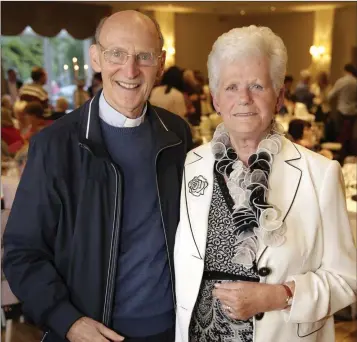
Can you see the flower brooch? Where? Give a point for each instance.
(197, 185)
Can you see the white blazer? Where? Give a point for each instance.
(318, 254)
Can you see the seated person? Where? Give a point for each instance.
(80, 96)
(300, 132)
(60, 109)
(11, 178)
(9, 133)
(288, 105)
(34, 113)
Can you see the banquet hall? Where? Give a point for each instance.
(45, 59)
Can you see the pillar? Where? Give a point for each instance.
(47, 59)
(166, 21)
(321, 50)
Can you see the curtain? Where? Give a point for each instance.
(48, 18)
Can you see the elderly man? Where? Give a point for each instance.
(89, 243)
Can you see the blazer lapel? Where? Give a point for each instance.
(284, 182)
(198, 179)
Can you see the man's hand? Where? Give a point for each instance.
(88, 330)
(242, 300)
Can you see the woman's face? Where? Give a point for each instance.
(246, 98)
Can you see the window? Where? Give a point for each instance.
(65, 59)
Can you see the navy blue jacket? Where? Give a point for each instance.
(62, 235)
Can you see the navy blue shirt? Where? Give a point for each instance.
(143, 303)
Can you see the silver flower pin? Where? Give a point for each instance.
(197, 185)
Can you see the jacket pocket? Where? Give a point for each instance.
(307, 329)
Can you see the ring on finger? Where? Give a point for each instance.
(228, 308)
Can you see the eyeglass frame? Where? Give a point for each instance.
(104, 50)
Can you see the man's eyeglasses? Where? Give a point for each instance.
(117, 56)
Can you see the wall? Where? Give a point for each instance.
(196, 33)
(344, 38)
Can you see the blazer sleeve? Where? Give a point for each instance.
(29, 244)
(333, 285)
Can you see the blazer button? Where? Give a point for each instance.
(264, 271)
(259, 316)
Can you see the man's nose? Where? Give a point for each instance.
(131, 67)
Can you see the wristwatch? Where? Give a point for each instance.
(289, 295)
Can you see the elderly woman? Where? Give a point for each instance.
(264, 250)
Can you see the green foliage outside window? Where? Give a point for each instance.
(26, 51)
(21, 53)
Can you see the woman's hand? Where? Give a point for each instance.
(242, 300)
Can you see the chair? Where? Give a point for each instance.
(8, 299)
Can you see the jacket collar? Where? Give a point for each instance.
(91, 133)
(284, 182)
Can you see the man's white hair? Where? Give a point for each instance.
(247, 42)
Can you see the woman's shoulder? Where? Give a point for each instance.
(315, 162)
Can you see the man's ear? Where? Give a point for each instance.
(94, 58)
(161, 68)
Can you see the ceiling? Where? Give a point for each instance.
(229, 7)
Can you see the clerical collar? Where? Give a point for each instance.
(114, 118)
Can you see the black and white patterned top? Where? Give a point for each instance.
(209, 321)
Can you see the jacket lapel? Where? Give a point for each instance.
(284, 182)
(198, 180)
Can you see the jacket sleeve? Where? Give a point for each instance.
(29, 244)
(332, 94)
(333, 285)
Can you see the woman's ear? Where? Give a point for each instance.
(216, 105)
(280, 100)
(94, 58)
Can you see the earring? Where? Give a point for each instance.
(219, 113)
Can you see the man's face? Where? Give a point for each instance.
(127, 86)
(44, 78)
(11, 76)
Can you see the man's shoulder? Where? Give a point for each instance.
(60, 130)
(172, 121)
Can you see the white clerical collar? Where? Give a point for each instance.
(112, 117)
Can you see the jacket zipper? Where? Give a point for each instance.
(113, 256)
(44, 336)
(114, 242)
(162, 220)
